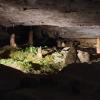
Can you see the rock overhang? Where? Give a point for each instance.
(79, 20)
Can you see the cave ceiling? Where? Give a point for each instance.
(80, 16)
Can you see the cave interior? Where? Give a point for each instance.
(50, 31)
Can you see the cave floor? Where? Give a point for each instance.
(46, 94)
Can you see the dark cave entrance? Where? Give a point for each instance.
(35, 35)
(39, 35)
(44, 36)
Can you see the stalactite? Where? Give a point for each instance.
(12, 41)
(39, 53)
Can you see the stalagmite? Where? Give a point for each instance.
(12, 41)
(30, 41)
(63, 44)
(98, 45)
(59, 43)
(39, 53)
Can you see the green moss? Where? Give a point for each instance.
(31, 49)
(27, 61)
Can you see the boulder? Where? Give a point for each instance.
(83, 56)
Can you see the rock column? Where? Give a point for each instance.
(98, 45)
(30, 41)
(12, 41)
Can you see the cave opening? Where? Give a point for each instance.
(39, 35)
(44, 36)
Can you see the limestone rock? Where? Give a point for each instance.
(39, 54)
(83, 56)
(71, 56)
(65, 50)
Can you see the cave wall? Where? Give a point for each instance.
(68, 18)
(88, 42)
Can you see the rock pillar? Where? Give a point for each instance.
(12, 41)
(98, 45)
(30, 40)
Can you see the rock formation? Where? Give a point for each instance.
(83, 56)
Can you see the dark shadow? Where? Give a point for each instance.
(95, 57)
(81, 77)
(40, 35)
(10, 79)
(88, 71)
(74, 79)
